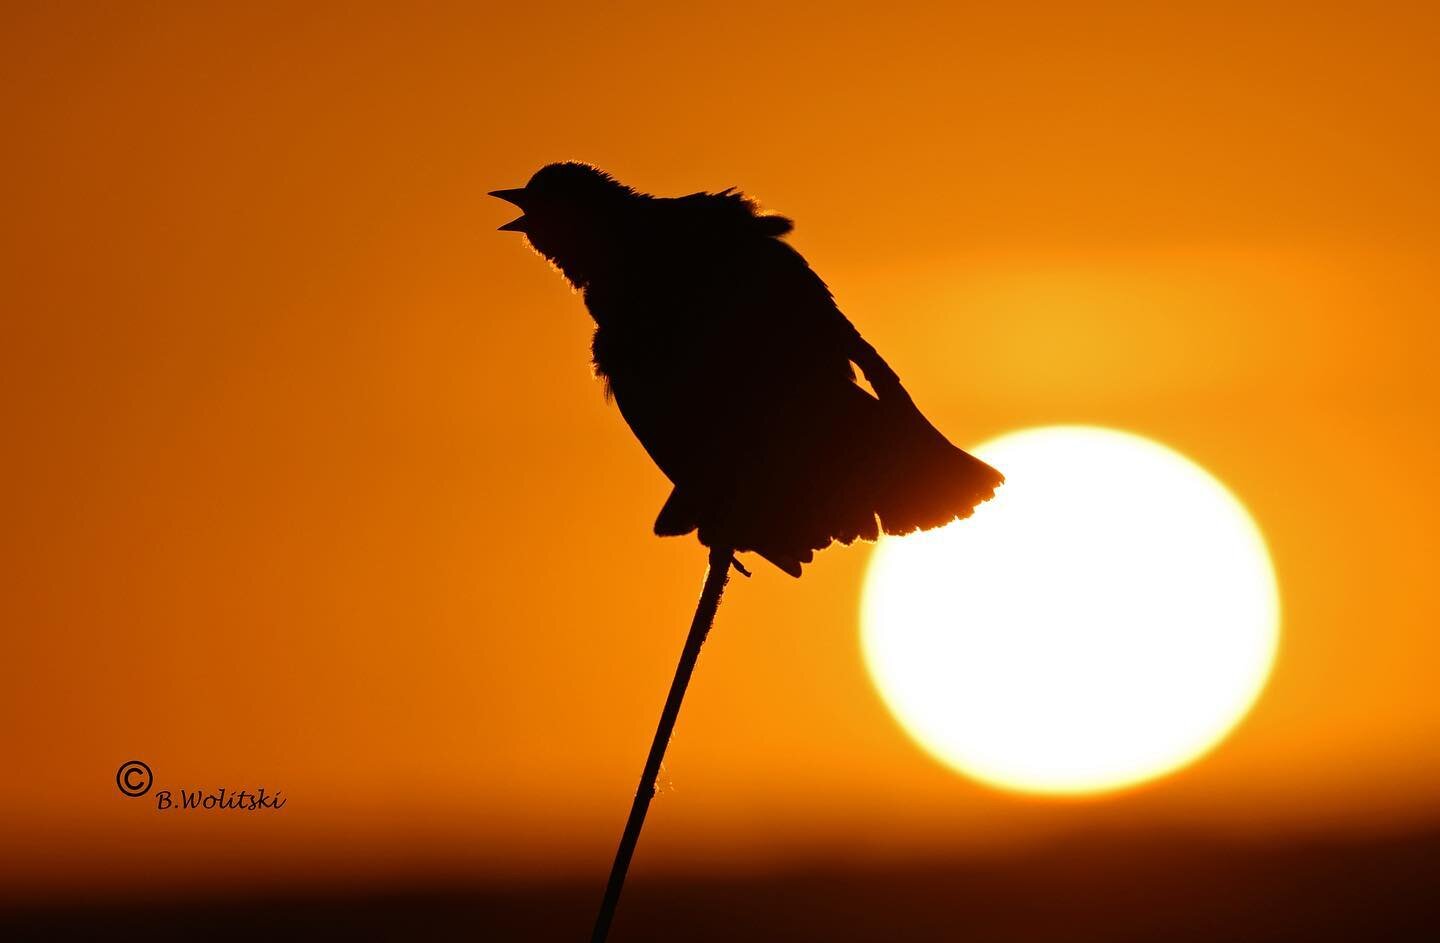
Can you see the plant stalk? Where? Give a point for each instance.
(716, 577)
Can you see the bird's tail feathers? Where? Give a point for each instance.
(929, 482)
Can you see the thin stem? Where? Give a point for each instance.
(715, 579)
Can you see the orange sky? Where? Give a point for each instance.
(275, 514)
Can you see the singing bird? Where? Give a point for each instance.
(732, 364)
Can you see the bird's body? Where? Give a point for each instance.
(730, 361)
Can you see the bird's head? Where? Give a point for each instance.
(572, 211)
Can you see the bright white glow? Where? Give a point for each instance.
(1108, 617)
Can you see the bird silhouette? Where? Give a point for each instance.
(729, 359)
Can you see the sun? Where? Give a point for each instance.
(1109, 617)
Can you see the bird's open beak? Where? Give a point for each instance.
(516, 196)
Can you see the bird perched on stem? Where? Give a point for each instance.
(731, 363)
(729, 359)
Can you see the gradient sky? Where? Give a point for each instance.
(307, 483)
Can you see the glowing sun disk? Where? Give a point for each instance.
(1109, 617)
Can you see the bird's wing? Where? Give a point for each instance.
(801, 317)
(833, 458)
